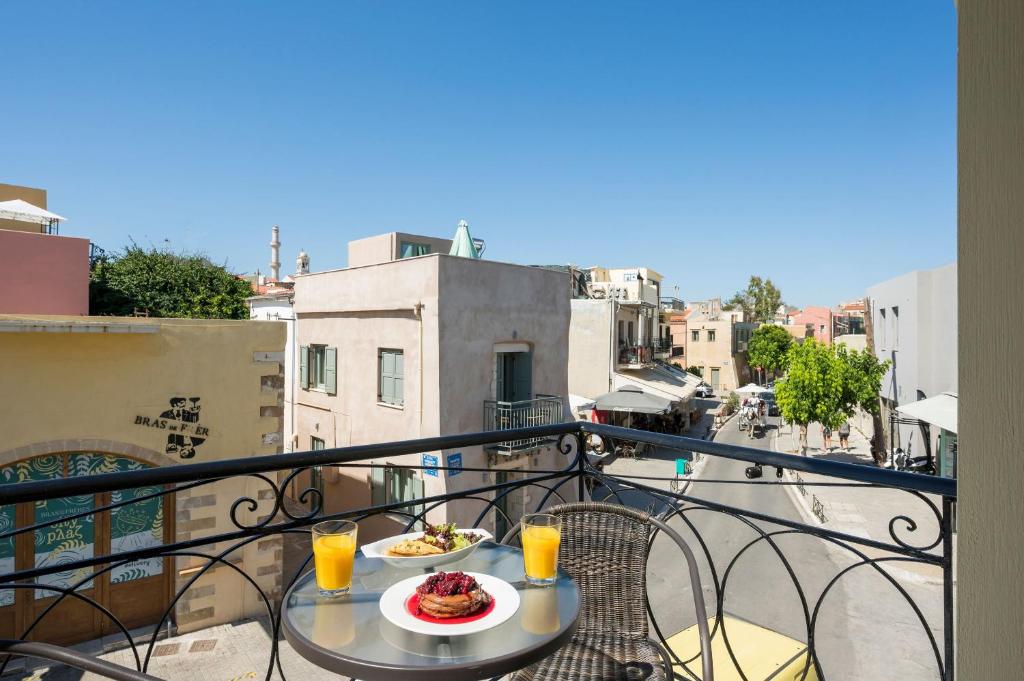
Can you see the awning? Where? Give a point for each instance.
(579, 403)
(661, 382)
(632, 400)
(23, 211)
(939, 411)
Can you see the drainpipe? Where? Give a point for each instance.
(418, 310)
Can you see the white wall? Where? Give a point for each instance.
(280, 309)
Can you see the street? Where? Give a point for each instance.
(865, 629)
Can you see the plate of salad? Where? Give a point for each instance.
(438, 545)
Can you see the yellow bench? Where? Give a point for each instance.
(763, 654)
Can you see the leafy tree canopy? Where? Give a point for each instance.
(826, 384)
(166, 285)
(769, 347)
(759, 301)
(696, 370)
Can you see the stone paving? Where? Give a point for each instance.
(860, 511)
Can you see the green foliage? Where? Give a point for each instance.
(769, 347)
(826, 384)
(732, 403)
(166, 285)
(759, 301)
(864, 379)
(695, 370)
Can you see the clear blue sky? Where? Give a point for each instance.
(812, 142)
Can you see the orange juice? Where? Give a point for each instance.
(333, 555)
(540, 551)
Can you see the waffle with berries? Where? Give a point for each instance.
(451, 594)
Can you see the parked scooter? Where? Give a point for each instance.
(903, 461)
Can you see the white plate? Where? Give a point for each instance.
(379, 549)
(392, 606)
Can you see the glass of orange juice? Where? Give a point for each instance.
(334, 552)
(541, 535)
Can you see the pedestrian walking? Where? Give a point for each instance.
(844, 436)
(826, 436)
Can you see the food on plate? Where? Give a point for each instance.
(437, 539)
(451, 594)
(413, 547)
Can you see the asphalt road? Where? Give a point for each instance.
(864, 629)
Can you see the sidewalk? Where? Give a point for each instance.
(859, 511)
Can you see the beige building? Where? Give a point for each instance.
(614, 335)
(425, 346)
(32, 195)
(106, 394)
(716, 342)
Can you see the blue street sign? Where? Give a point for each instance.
(454, 464)
(430, 464)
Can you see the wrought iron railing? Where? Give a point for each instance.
(278, 503)
(662, 345)
(636, 354)
(544, 410)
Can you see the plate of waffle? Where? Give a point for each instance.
(449, 603)
(438, 545)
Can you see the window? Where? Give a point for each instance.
(411, 249)
(318, 368)
(695, 335)
(392, 485)
(711, 335)
(895, 328)
(881, 328)
(391, 372)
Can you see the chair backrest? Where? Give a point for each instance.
(604, 548)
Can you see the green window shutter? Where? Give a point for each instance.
(304, 367)
(331, 371)
(392, 368)
(399, 377)
(522, 376)
(377, 486)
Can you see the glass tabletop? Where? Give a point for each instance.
(349, 635)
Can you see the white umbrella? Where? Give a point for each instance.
(23, 211)
(751, 389)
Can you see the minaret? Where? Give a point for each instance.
(275, 254)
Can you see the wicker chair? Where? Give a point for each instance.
(604, 547)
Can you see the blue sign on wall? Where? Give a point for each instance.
(454, 464)
(430, 464)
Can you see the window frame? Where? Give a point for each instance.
(694, 335)
(318, 367)
(419, 248)
(711, 335)
(400, 403)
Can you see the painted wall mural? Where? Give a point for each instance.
(134, 526)
(181, 421)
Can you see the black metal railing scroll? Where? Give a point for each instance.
(289, 502)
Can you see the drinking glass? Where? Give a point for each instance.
(541, 536)
(334, 552)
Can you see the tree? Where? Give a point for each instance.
(759, 301)
(695, 370)
(768, 348)
(166, 284)
(827, 384)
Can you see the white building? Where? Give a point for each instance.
(613, 336)
(914, 325)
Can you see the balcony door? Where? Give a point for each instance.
(515, 377)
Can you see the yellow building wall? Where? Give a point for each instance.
(96, 387)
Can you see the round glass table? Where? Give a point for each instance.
(348, 634)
